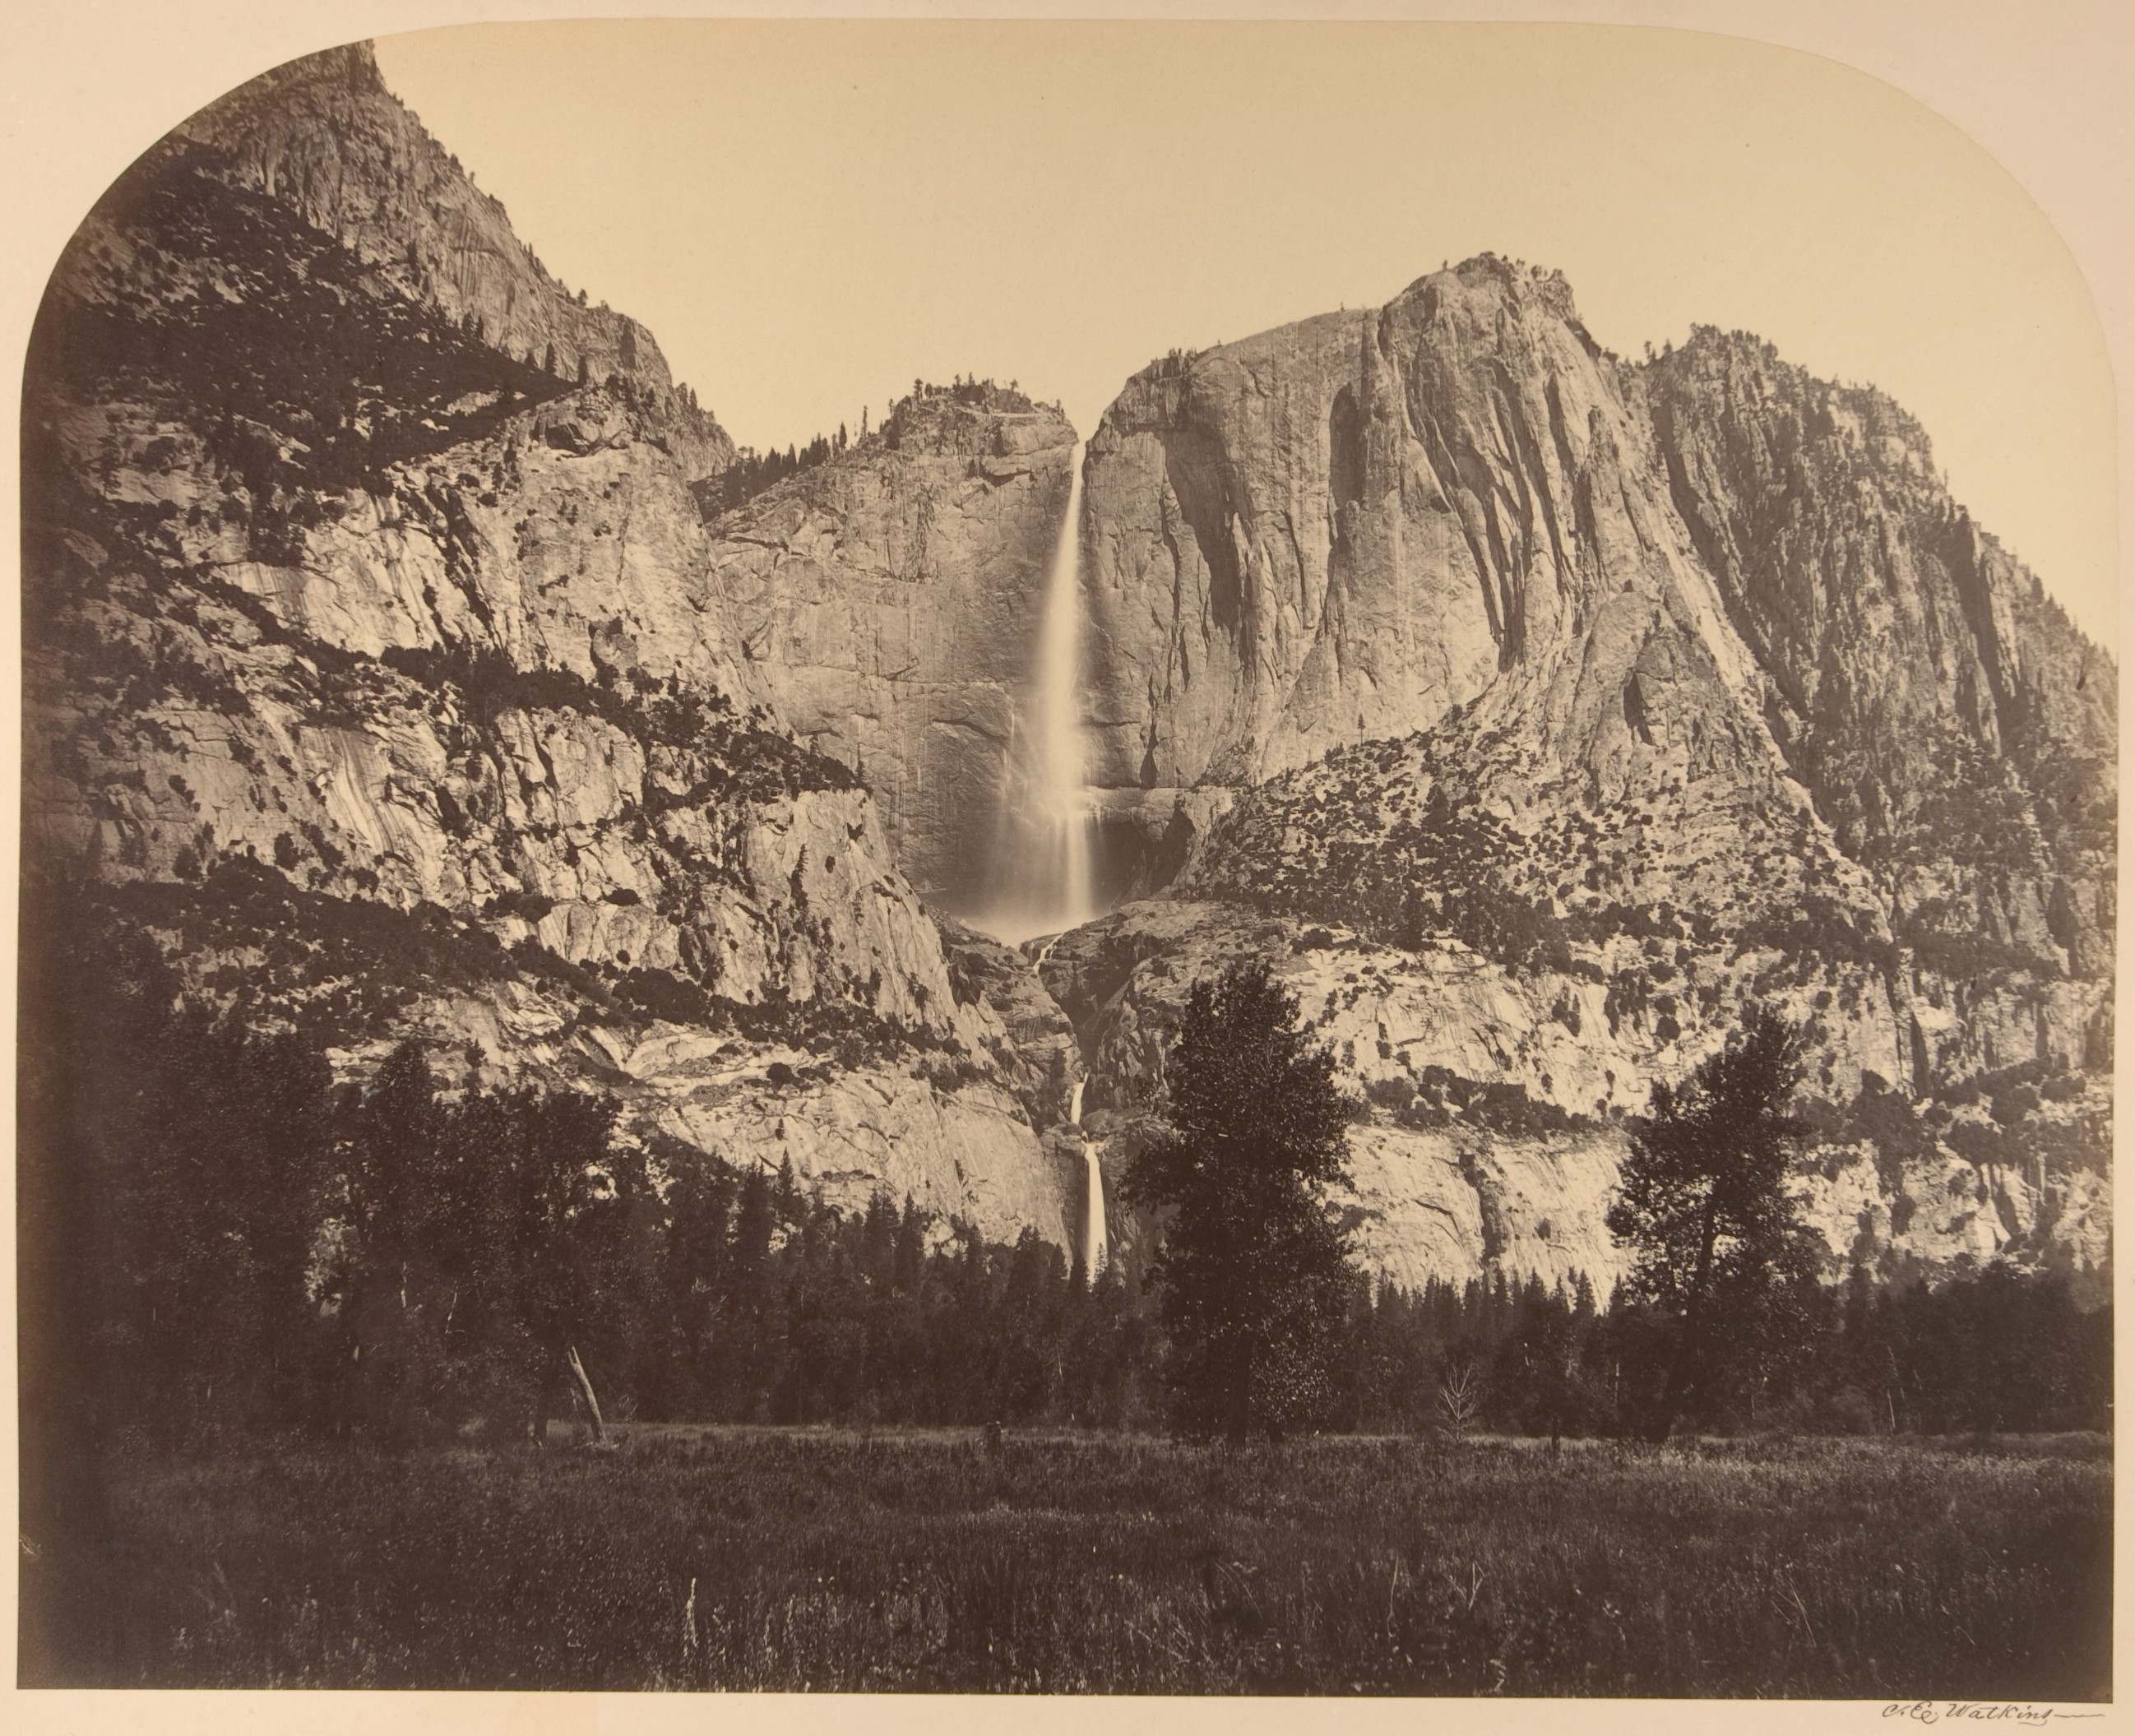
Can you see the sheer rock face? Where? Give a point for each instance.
(1346, 528)
(889, 600)
(1650, 691)
(325, 583)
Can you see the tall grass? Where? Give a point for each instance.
(690, 1558)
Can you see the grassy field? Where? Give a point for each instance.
(683, 1558)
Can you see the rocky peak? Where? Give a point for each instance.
(1489, 287)
(1348, 528)
(324, 137)
(1954, 726)
(1743, 369)
(972, 419)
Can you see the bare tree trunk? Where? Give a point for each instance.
(1688, 1348)
(585, 1390)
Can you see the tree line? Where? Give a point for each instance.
(1722, 1318)
(752, 472)
(217, 1237)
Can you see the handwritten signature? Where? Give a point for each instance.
(1981, 1711)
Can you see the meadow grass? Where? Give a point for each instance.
(685, 1557)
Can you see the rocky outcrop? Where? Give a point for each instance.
(1366, 524)
(1038, 1052)
(960, 1148)
(1905, 647)
(888, 603)
(1957, 732)
(1492, 1106)
(1644, 693)
(368, 641)
(855, 1105)
(1713, 593)
(322, 138)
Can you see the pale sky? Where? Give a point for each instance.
(810, 215)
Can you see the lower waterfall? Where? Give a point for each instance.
(1096, 1245)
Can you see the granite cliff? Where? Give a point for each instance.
(397, 661)
(1587, 702)
(368, 629)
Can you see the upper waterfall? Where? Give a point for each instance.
(1041, 875)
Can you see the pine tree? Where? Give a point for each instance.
(1253, 1268)
(1704, 1206)
(749, 1263)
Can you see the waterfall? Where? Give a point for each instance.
(1097, 1247)
(1041, 871)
